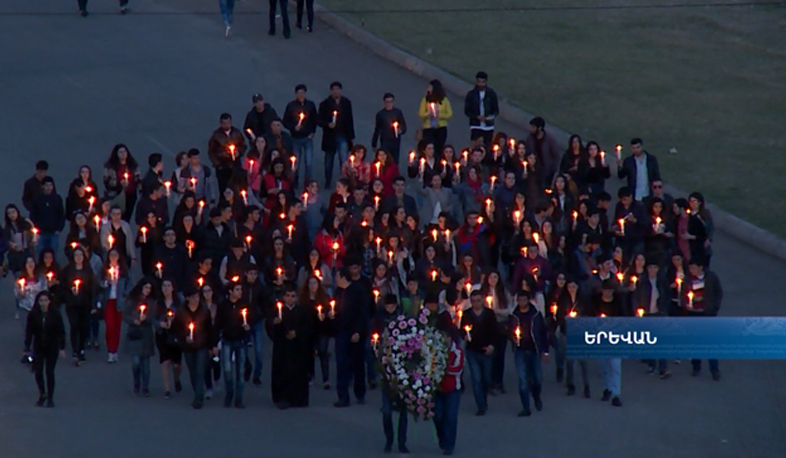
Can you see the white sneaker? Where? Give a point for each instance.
(110, 358)
(116, 357)
(209, 394)
(228, 32)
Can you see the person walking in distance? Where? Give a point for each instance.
(45, 336)
(272, 17)
(338, 128)
(309, 4)
(481, 107)
(225, 147)
(300, 119)
(389, 127)
(228, 15)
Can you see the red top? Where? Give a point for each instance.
(452, 379)
(386, 175)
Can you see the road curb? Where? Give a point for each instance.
(726, 222)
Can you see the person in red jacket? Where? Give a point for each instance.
(448, 397)
(330, 243)
(387, 171)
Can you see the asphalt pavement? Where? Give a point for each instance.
(157, 79)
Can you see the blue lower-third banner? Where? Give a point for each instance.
(677, 338)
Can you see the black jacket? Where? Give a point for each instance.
(345, 123)
(472, 106)
(259, 123)
(44, 331)
(174, 263)
(48, 213)
(352, 311)
(292, 118)
(229, 320)
(628, 170)
(383, 126)
(484, 329)
(31, 190)
(204, 333)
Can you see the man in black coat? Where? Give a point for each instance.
(481, 107)
(350, 326)
(48, 215)
(338, 128)
(258, 118)
(702, 294)
(225, 147)
(389, 126)
(34, 183)
(641, 162)
(300, 119)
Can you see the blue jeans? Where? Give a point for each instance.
(696, 363)
(446, 409)
(498, 367)
(611, 370)
(342, 148)
(304, 150)
(560, 349)
(141, 370)
(349, 365)
(258, 337)
(387, 421)
(233, 370)
(530, 372)
(196, 361)
(480, 370)
(569, 372)
(227, 11)
(47, 241)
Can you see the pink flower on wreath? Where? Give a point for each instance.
(402, 325)
(412, 322)
(423, 319)
(421, 409)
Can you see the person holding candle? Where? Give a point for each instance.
(330, 242)
(651, 297)
(389, 127)
(217, 238)
(435, 111)
(436, 200)
(357, 170)
(314, 297)
(447, 398)
(632, 223)
(79, 200)
(300, 118)
(700, 229)
(531, 347)
(172, 257)
(702, 294)
(482, 108)
(234, 319)
(315, 267)
(350, 329)
(258, 118)
(501, 304)
(199, 179)
(544, 146)
(400, 198)
(121, 180)
(272, 5)
(234, 263)
(28, 284)
(44, 341)
(571, 304)
(154, 202)
(78, 294)
(194, 329)
(81, 228)
(338, 128)
(480, 326)
(48, 215)
(573, 157)
(290, 329)
(659, 236)
(19, 236)
(121, 233)
(139, 316)
(113, 286)
(640, 169)
(280, 140)
(225, 141)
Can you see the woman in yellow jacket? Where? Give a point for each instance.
(435, 111)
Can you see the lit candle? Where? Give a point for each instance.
(517, 217)
(170, 314)
(572, 313)
(335, 114)
(634, 279)
(376, 203)
(300, 118)
(603, 158)
(190, 246)
(495, 150)
(690, 299)
(333, 306)
(125, 177)
(575, 218)
(618, 149)
(244, 195)
(434, 233)
(411, 157)
(97, 220)
(459, 315)
(518, 336)
(91, 201)
(603, 315)
(244, 312)
(444, 164)
(376, 295)
(490, 301)
(432, 107)
(193, 182)
(290, 228)
(536, 237)
(280, 307)
(191, 330)
(390, 256)
(378, 165)
(22, 282)
(282, 215)
(77, 282)
(143, 230)
(422, 165)
(480, 220)
(318, 274)
(88, 189)
(293, 160)
(235, 279)
(679, 285)
(142, 309)
(201, 208)
(512, 143)
(250, 166)
(335, 250)
(168, 185)
(232, 151)
(447, 235)
(524, 165)
(457, 166)
(620, 276)
(465, 155)
(622, 226)
(250, 133)
(279, 272)
(110, 240)
(74, 245)
(159, 267)
(467, 329)
(49, 276)
(640, 312)
(433, 275)
(35, 234)
(305, 200)
(249, 239)
(493, 180)
(319, 312)
(468, 286)
(395, 128)
(554, 309)
(112, 274)
(379, 243)
(200, 282)
(374, 340)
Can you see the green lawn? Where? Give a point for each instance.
(710, 82)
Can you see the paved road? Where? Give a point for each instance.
(71, 88)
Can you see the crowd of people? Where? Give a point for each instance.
(503, 241)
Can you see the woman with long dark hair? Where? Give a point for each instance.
(314, 298)
(593, 171)
(82, 229)
(498, 299)
(28, 284)
(78, 294)
(139, 314)
(701, 229)
(18, 233)
(169, 353)
(121, 179)
(114, 280)
(44, 341)
(571, 160)
(435, 110)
